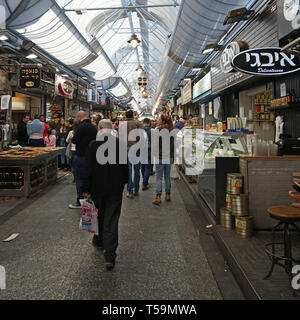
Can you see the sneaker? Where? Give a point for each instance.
(109, 265)
(130, 196)
(146, 187)
(74, 206)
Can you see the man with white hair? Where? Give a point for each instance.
(104, 182)
(84, 134)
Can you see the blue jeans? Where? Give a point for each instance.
(79, 167)
(63, 158)
(135, 184)
(146, 171)
(163, 170)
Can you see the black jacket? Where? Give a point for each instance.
(85, 133)
(22, 132)
(107, 179)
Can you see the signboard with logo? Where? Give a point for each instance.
(64, 87)
(92, 95)
(266, 62)
(202, 86)
(288, 17)
(30, 77)
(229, 53)
(186, 93)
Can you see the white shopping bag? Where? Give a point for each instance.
(89, 217)
(174, 172)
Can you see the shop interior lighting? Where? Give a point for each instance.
(31, 56)
(134, 40)
(4, 37)
(65, 75)
(140, 69)
(237, 15)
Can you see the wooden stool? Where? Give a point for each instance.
(286, 216)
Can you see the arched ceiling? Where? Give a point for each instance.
(92, 36)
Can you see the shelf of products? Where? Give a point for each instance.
(261, 107)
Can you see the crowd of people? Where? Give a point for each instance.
(104, 183)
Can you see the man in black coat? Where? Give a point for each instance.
(104, 182)
(85, 133)
(22, 131)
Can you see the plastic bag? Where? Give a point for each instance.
(174, 172)
(89, 217)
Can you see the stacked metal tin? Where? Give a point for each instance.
(236, 213)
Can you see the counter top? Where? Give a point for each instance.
(248, 156)
(29, 153)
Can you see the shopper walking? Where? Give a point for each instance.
(133, 185)
(105, 184)
(84, 134)
(71, 146)
(50, 139)
(22, 131)
(61, 136)
(35, 131)
(146, 168)
(164, 160)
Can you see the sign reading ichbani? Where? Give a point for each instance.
(266, 62)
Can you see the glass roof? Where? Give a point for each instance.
(93, 36)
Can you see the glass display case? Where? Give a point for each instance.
(199, 152)
(200, 148)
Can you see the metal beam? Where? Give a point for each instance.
(125, 7)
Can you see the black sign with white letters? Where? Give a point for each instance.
(266, 62)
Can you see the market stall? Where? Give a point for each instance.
(24, 171)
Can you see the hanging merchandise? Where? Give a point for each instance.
(279, 128)
(5, 102)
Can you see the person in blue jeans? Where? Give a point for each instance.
(146, 168)
(133, 185)
(164, 161)
(84, 134)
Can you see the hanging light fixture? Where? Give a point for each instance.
(140, 69)
(134, 40)
(145, 94)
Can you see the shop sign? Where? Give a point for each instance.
(30, 77)
(290, 9)
(229, 53)
(186, 93)
(82, 93)
(202, 86)
(179, 101)
(92, 95)
(64, 87)
(288, 17)
(266, 62)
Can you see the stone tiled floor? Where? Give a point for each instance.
(157, 254)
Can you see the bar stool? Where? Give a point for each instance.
(286, 216)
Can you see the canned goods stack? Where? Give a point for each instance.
(227, 219)
(244, 226)
(237, 206)
(234, 183)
